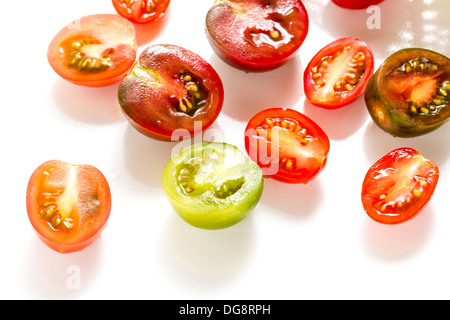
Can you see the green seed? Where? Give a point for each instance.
(56, 221)
(48, 213)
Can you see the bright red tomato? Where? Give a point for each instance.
(68, 205)
(257, 35)
(170, 90)
(356, 4)
(141, 11)
(338, 74)
(94, 51)
(287, 145)
(398, 186)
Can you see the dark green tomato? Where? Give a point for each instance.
(409, 95)
(212, 185)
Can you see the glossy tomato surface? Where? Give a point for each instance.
(409, 95)
(338, 74)
(256, 35)
(398, 186)
(68, 205)
(287, 145)
(94, 51)
(356, 4)
(171, 92)
(212, 185)
(141, 11)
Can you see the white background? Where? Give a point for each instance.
(309, 241)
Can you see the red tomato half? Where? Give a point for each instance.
(257, 35)
(68, 205)
(398, 186)
(141, 11)
(171, 91)
(94, 51)
(356, 4)
(338, 74)
(287, 145)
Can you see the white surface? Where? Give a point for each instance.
(301, 242)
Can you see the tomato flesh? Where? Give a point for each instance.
(68, 205)
(94, 51)
(171, 93)
(212, 185)
(356, 4)
(398, 186)
(338, 74)
(141, 11)
(409, 95)
(287, 145)
(256, 35)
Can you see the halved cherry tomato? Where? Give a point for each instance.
(141, 11)
(356, 4)
(409, 95)
(256, 35)
(212, 185)
(68, 205)
(171, 91)
(398, 186)
(94, 51)
(287, 145)
(337, 75)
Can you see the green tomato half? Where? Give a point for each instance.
(212, 185)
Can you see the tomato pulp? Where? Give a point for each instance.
(338, 74)
(256, 35)
(168, 91)
(68, 205)
(287, 145)
(141, 11)
(94, 51)
(398, 186)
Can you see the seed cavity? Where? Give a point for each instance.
(442, 94)
(83, 62)
(433, 106)
(385, 205)
(229, 187)
(51, 214)
(195, 96)
(351, 77)
(199, 174)
(148, 6)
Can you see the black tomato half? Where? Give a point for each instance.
(171, 93)
(256, 35)
(409, 95)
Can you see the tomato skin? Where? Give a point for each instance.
(89, 212)
(398, 186)
(113, 34)
(356, 4)
(150, 95)
(388, 93)
(338, 99)
(304, 169)
(239, 32)
(137, 13)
